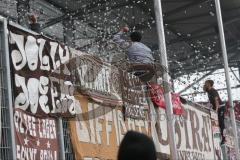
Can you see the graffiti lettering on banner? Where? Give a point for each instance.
(36, 138)
(98, 131)
(135, 112)
(132, 89)
(41, 79)
(194, 138)
(47, 75)
(97, 80)
(109, 85)
(134, 97)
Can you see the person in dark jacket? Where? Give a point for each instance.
(217, 105)
(34, 25)
(136, 146)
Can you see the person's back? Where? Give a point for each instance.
(137, 52)
(140, 53)
(136, 146)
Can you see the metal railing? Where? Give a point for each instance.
(6, 150)
(7, 140)
(69, 154)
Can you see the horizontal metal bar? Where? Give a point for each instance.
(83, 12)
(182, 8)
(198, 80)
(177, 1)
(180, 39)
(220, 89)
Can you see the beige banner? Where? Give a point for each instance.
(193, 132)
(98, 130)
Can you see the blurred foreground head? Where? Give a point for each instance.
(136, 146)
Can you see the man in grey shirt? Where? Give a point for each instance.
(137, 52)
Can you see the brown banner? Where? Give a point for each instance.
(41, 80)
(97, 80)
(36, 138)
(105, 83)
(47, 74)
(98, 130)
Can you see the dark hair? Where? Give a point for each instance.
(136, 36)
(33, 18)
(136, 146)
(211, 82)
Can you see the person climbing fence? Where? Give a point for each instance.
(217, 105)
(139, 55)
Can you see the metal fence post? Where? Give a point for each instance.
(226, 68)
(166, 78)
(61, 139)
(9, 87)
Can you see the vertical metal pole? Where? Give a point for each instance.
(173, 85)
(61, 139)
(239, 70)
(226, 68)
(69, 37)
(166, 78)
(9, 89)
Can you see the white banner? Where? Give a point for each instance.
(193, 134)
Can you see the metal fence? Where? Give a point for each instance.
(7, 152)
(238, 128)
(69, 154)
(5, 127)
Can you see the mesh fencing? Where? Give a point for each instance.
(5, 129)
